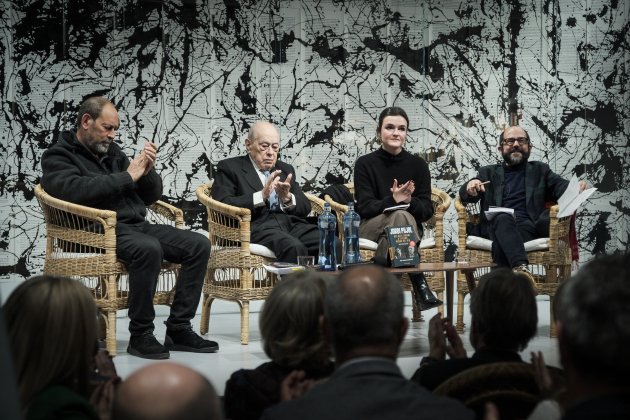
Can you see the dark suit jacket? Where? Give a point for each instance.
(368, 389)
(432, 375)
(541, 186)
(236, 180)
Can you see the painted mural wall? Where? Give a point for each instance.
(194, 75)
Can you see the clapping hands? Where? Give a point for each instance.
(402, 193)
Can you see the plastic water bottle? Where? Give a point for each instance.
(327, 224)
(351, 222)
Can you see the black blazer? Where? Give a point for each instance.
(541, 185)
(236, 180)
(368, 389)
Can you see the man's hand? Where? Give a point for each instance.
(270, 185)
(402, 193)
(583, 185)
(475, 187)
(283, 189)
(150, 154)
(142, 164)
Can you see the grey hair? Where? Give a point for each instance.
(592, 308)
(92, 106)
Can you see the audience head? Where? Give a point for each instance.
(289, 321)
(393, 124)
(97, 122)
(503, 311)
(166, 391)
(594, 321)
(263, 144)
(52, 327)
(517, 152)
(363, 312)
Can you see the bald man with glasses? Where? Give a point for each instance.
(521, 185)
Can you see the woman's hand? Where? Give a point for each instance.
(402, 193)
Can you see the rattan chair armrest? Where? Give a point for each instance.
(228, 210)
(104, 217)
(170, 212)
(317, 204)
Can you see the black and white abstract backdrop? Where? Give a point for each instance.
(193, 76)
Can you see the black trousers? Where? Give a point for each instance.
(142, 247)
(287, 236)
(509, 235)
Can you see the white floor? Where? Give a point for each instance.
(225, 329)
(225, 325)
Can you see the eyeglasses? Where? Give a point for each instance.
(510, 141)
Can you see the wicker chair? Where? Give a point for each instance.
(81, 244)
(510, 385)
(431, 246)
(235, 267)
(549, 258)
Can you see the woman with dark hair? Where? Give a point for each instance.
(391, 176)
(289, 326)
(52, 327)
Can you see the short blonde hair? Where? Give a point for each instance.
(289, 321)
(52, 327)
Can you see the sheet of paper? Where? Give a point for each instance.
(572, 198)
(493, 211)
(398, 207)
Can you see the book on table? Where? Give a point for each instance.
(403, 246)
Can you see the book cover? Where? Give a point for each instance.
(403, 246)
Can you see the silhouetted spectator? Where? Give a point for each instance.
(289, 325)
(503, 320)
(166, 391)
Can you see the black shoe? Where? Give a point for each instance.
(146, 346)
(187, 340)
(425, 299)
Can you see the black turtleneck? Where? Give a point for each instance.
(374, 175)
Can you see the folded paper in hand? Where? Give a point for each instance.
(398, 207)
(493, 211)
(572, 198)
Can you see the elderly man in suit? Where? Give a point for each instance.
(260, 182)
(521, 185)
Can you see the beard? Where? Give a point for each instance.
(98, 147)
(515, 157)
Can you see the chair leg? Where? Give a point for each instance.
(440, 295)
(110, 335)
(244, 322)
(459, 326)
(416, 315)
(552, 319)
(205, 314)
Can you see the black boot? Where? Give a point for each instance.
(425, 299)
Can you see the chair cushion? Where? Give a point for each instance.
(476, 242)
(261, 250)
(427, 243)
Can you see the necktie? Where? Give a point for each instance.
(274, 203)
